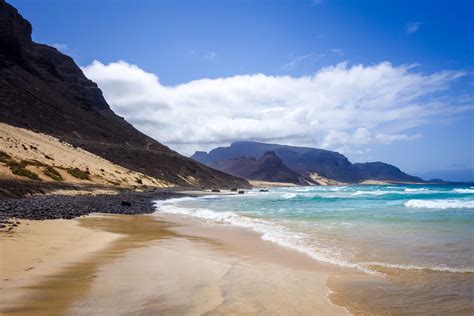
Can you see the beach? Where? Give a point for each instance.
(148, 264)
(363, 250)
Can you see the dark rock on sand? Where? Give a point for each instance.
(41, 207)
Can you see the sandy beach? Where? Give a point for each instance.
(121, 264)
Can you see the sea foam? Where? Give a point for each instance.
(415, 190)
(272, 232)
(440, 204)
(464, 191)
(285, 236)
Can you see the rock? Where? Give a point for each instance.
(241, 192)
(268, 168)
(240, 159)
(2, 226)
(39, 207)
(215, 190)
(263, 190)
(233, 190)
(34, 75)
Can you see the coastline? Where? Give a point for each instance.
(132, 259)
(152, 263)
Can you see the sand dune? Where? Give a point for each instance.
(39, 153)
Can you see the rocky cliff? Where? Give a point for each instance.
(306, 161)
(268, 168)
(43, 90)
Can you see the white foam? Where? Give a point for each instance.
(299, 241)
(440, 268)
(464, 191)
(376, 192)
(382, 192)
(440, 204)
(287, 195)
(272, 232)
(416, 190)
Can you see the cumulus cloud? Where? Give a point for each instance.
(340, 107)
(412, 27)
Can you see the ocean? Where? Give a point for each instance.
(413, 245)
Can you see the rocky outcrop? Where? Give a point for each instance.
(43, 90)
(309, 161)
(268, 168)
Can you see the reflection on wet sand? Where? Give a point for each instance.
(162, 266)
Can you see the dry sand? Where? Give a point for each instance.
(23, 144)
(166, 266)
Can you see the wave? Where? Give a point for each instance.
(440, 204)
(272, 232)
(377, 192)
(464, 191)
(440, 268)
(288, 195)
(299, 241)
(416, 190)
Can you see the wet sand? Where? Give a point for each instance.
(149, 265)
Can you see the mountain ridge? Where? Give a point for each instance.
(306, 161)
(43, 90)
(269, 167)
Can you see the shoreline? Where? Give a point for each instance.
(168, 264)
(172, 255)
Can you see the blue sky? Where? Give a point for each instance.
(169, 44)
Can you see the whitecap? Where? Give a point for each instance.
(377, 192)
(440, 204)
(287, 195)
(464, 191)
(416, 190)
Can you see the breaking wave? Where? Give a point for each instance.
(299, 241)
(440, 204)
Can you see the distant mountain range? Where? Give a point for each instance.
(453, 175)
(43, 90)
(269, 167)
(297, 164)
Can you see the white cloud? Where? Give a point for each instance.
(60, 47)
(210, 55)
(337, 51)
(295, 62)
(340, 107)
(412, 27)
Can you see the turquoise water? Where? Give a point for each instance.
(413, 227)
